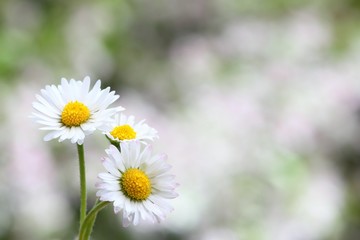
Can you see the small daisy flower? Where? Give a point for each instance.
(71, 110)
(137, 182)
(124, 128)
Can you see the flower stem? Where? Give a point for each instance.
(80, 149)
(87, 226)
(91, 222)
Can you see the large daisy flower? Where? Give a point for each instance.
(71, 110)
(124, 128)
(137, 182)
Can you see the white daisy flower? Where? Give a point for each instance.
(137, 182)
(124, 128)
(71, 110)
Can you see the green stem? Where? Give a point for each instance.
(91, 222)
(87, 225)
(88, 228)
(80, 149)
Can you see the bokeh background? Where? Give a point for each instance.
(257, 104)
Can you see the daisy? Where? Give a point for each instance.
(124, 128)
(71, 110)
(137, 182)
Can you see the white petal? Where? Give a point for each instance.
(150, 206)
(107, 176)
(85, 88)
(52, 135)
(110, 167)
(167, 194)
(49, 107)
(110, 196)
(146, 153)
(164, 205)
(45, 101)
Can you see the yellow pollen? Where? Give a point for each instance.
(123, 132)
(135, 184)
(74, 114)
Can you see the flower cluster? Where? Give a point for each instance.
(136, 181)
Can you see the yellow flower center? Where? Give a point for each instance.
(74, 114)
(123, 132)
(135, 184)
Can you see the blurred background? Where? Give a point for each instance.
(257, 104)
